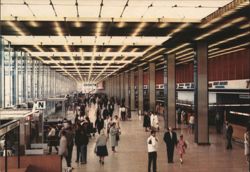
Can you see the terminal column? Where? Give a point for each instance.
(25, 73)
(117, 86)
(108, 87)
(140, 90)
(152, 86)
(132, 90)
(32, 79)
(111, 86)
(15, 79)
(171, 94)
(114, 86)
(122, 85)
(126, 89)
(201, 93)
(1, 73)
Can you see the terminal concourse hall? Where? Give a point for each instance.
(82, 78)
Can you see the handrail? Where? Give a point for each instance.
(8, 127)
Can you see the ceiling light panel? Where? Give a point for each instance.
(89, 8)
(191, 3)
(134, 11)
(15, 10)
(86, 54)
(86, 40)
(113, 8)
(66, 10)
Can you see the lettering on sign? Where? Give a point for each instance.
(40, 105)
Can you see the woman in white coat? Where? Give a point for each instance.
(113, 136)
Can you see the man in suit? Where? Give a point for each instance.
(170, 139)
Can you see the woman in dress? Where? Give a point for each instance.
(101, 146)
(181, 146)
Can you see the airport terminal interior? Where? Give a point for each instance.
(124, 85)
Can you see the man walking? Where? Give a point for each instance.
(170, 139)
(152, 143)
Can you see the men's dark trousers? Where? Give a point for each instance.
(152, 156)
(84, 153)
(69, 157)
(170, 152)
(229, 143)
(78, 151)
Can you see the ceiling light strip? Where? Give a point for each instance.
(17, 29)
(180, 46)
(72, 59)
(228, 52)
(229, 39)
(120, 50)
(228, 49)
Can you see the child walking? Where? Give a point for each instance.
(181, 146)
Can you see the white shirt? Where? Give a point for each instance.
(52, 132)
(152, 144)
(154, 121)
(191, 120)
(171, 134)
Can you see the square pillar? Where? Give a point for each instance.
(171, 94)
(122, 86)
(126, 90)
(25, 59)
(2, 73)
(119, 87)
(201, 93)
(132, 90)
(152, 86)
(140, 90)
(15, 79)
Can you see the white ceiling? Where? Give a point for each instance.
(89, 10)
(86, 40)
(137, 10)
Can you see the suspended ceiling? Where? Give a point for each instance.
(89, 40)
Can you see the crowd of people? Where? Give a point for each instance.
(107, 124)
(79, 131)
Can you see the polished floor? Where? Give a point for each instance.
(132, 153)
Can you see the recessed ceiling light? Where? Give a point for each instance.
(34, 24)
(163, 25)
(121, 24)
(78, 24)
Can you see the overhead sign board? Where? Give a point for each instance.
(40, 105)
